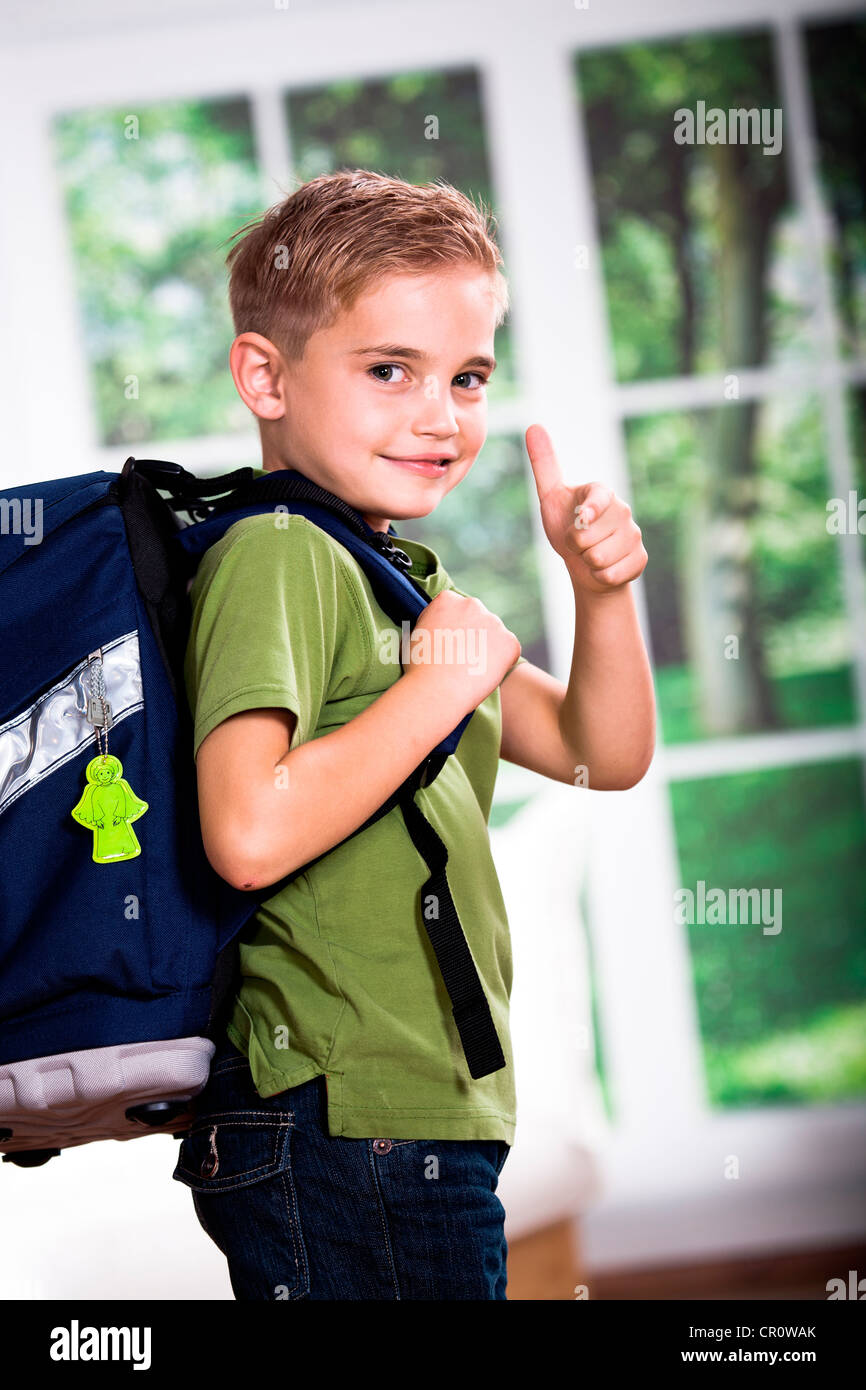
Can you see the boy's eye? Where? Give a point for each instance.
(461, 378)
(386, 367)
(463, 375)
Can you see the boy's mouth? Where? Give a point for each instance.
(428, 465)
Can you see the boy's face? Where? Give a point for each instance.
(399, 376)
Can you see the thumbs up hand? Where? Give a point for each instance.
(588, 525)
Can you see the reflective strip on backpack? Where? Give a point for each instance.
(41, 738)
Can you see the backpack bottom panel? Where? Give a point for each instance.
(75, 1098)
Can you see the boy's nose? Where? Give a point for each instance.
(436, 417)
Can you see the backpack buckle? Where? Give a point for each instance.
(382, 542)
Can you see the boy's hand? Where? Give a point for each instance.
(588, 525)
(462, 649)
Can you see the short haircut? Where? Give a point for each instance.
(309, 257)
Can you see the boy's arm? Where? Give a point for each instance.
(265, 811)
(603, 720)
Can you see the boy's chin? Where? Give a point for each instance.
(406, 511)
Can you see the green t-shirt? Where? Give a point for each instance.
(338, 975)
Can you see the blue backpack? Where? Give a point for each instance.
(118, 941)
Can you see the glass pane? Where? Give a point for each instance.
(416, 126)
(704, 261)
(856, 513)
(780, 977)
(743, 582)
(482, 534)
(150, 197)
(836, 55)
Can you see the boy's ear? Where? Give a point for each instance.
(257, 370)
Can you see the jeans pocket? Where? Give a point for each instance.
(238, 1165)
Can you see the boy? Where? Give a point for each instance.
(341, 1148)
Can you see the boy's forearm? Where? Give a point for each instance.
(607, 716)
(323, 790)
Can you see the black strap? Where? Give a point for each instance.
(180, 482)
(281, 483)
(469, 1004)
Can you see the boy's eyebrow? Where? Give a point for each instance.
(393, 350)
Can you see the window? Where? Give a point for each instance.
(712, 271)
(150, 196)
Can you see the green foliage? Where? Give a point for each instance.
(147, 217)
(639, 271)
(803, 701)
(798, 596)
(821, 1061)
(856, 412)
(751, 830)
(659, 203)
(836, 55)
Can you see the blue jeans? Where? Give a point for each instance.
(299, 1213)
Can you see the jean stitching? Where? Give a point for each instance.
(219, 1184)
(383, 1218)
(301, 1286)
(293, 1217)
(270, 1118)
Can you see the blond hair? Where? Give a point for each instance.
(310, 256)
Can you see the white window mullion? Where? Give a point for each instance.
(707, 391)
(42, 344)
(753, 752)
(272, 142)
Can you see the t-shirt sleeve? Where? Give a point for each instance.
(265, 624)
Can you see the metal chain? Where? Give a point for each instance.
(97, 690)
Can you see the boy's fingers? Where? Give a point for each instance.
(595, 500)
(545, 465)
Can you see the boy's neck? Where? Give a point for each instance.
(377, 523)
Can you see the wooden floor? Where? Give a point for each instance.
(544, 1265)
(547, 1266)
